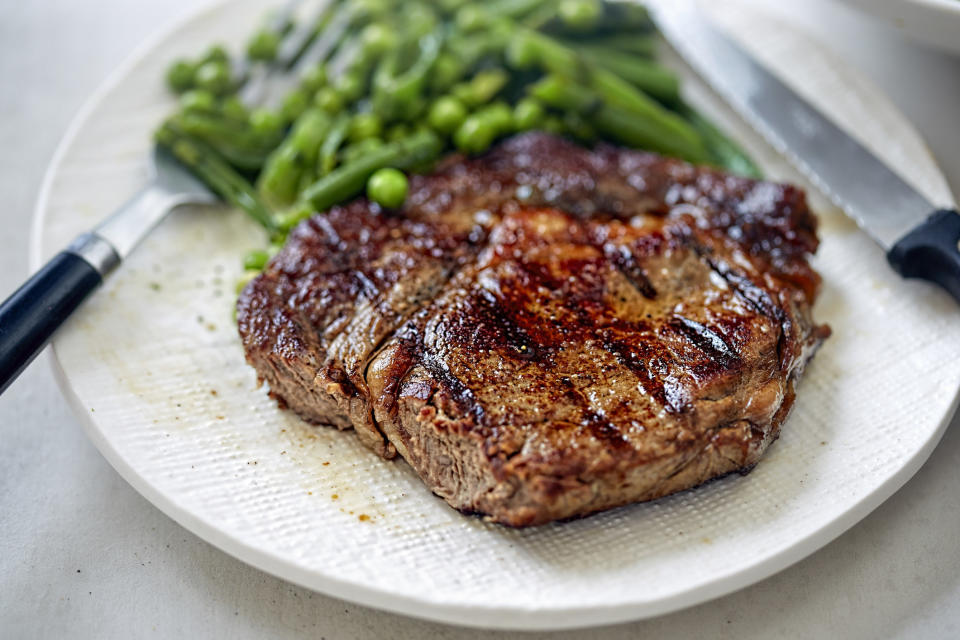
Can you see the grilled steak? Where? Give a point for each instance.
(547, 331)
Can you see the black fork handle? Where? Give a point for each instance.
(30, 316)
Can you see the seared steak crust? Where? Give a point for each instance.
(548, 331)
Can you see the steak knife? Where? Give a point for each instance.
(921, 240)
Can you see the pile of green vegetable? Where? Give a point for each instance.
(397, 84)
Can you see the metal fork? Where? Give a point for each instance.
(30, 316)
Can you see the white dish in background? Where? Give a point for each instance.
(934, 22)
(153, 366)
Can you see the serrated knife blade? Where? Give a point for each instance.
(891, 211)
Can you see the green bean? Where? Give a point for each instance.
(361, 148)
(216, 131)
(516, 9)
(450, 7)
(637, 127)
(349, 179)
(216, 173)
(331, 144)
(256, 259)
(642, 45)
(283, 175)
(279, 181)
(395, 93)
(461, 55)
(651, 78)
(540, 18)
(580, 15)
(529, 49)
(240, 146)
(625, 17)
(725, 152)
(482, 87)
(398, 131)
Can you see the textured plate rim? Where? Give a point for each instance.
(919, 13)
(478, 616)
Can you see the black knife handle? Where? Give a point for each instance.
(37, 309)
(931, 252)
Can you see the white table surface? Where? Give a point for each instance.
(83, 555)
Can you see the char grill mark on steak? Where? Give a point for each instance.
(547, 331)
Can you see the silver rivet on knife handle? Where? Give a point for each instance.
(98, 253)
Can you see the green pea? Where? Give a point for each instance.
(472, 18)
(214, 77)
(581, 15)
(266, 122)
(350, 86)
(314, 79)
(256, 259)
(295, 104)
(263, 46)
(328, 100)
(528, 114)
(447, 114)
(475, 135)
(181, 75)
(376, 39)
(233, 109)
(198, 101)
(370, 8)
(420, 20)
(365, 125)
(216, 53)
(388, 188)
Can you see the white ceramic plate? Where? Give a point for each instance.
(934, 22)
(153, 366)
